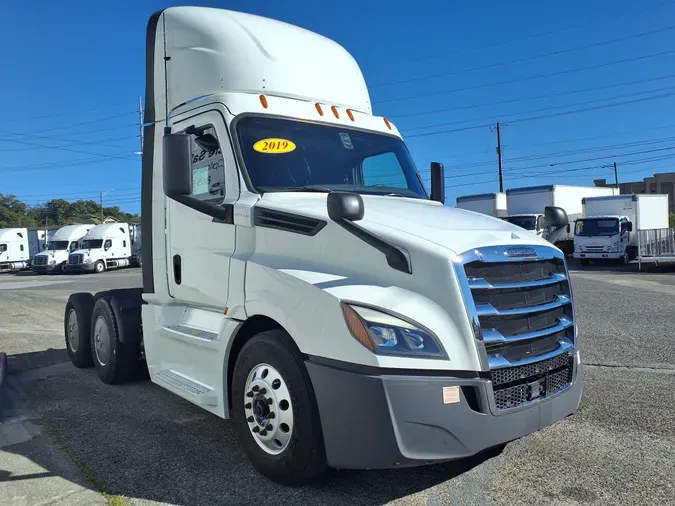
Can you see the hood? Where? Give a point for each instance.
(456, 229)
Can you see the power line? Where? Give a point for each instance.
(525, 59)
(66, 113)
(70, 143)
(543, 109)
(99, 120)
(532, 118)
(529, 78)
(537, 34)
(547, 96)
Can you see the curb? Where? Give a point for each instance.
(3, 377)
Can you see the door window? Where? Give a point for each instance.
(107, 245)
(207, 165)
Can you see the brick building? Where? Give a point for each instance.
(658, 183)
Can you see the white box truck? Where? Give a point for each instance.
(338, 320)
(55, 257)
(106, 246)
(526, 209)
(492, 204)
(14, 249)
(609, 227)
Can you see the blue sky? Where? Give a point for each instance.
(73, 72)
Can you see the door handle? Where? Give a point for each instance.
(176, 269)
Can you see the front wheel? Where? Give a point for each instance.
(275, 412)
(625, 258)
(99, 266)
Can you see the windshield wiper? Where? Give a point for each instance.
(308, 188)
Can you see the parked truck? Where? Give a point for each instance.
(106, 246)
(38, 239)
(338, 321)
(609, 227)
(492, 204)
(55, 257)
(14, 249)
(526, 209)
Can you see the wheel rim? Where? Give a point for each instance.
(99, 267)
(101, 341)
(73, 331)
(268, 409)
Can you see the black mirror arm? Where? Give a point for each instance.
(397, 258)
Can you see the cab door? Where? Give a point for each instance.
(200, 245)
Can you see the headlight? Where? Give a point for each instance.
(385, 334)
(88, 260)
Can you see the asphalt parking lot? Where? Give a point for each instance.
(74, 440)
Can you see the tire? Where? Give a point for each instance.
(625, 259)
(302, 456)
(77, 329)
(99, 266)
(115, 362)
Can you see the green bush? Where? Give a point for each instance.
(671, 220)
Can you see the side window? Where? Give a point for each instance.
(541, 222)
(3, 248)
(73, 246)
(383, 170)
(208, 165)
(107, 245)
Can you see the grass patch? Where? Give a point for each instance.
(55, 439)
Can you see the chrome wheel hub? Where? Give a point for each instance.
(268, 409)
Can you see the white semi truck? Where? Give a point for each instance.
(526, 209)
(492, 204)
(106, 246)
(609, 227)
(64, 241)
(38, 238)
(14, 249)
(338, 320)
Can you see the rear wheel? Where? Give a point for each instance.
(275, 412)
(115, 361)
(77, 325)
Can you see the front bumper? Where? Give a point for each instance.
(597, 256)
(44, 268)
(80, 267)
(380, 421)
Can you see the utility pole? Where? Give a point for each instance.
(616, 176)
(140, 122)
(101, 207)
(499, 158)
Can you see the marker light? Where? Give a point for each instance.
(263, 101)
(350, 114)
(319, 109)
(335, 112)
(386, 122)
(385, 334)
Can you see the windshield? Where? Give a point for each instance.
(287, 155)
(92, 244)
(58, 245)
(526, 222)
(598, 226)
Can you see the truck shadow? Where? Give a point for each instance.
(140, 441)
(618, 268)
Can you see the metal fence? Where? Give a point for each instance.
(656, 245)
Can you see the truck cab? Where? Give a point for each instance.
(604, 238)
(300, 279)
(106, 246)
(64, 241)
(14, 249)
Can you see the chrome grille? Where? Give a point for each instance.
(595, 249)
(40, 260)
(75, 259)
(522, 310)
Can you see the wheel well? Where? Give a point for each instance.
(251, 327)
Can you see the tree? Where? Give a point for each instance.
(55, 212)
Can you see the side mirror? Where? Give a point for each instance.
(344, 206)
(437, 182)
(556, 217)
(176, 165)
(629, 226)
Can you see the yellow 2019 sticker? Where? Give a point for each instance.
(274, 146)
